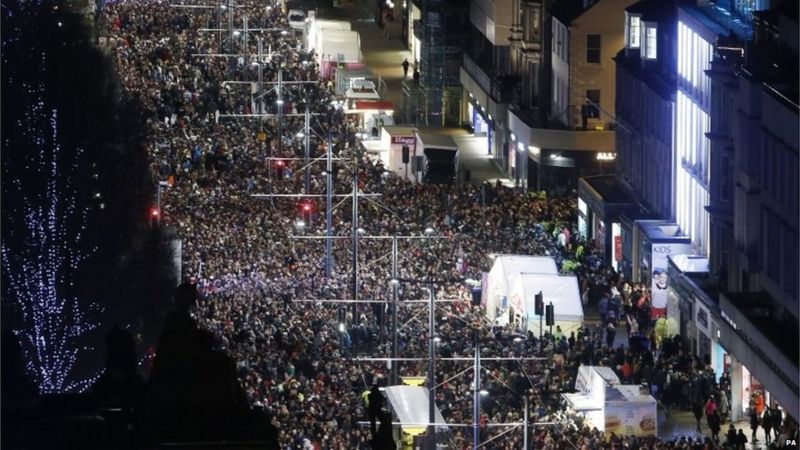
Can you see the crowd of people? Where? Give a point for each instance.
(298, 358)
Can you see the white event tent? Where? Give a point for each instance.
(501, 278)
(561, 291)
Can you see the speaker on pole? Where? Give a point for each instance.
(538, 304)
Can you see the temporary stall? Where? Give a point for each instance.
(356, 83)
(338, 51)
(316, 26)
(393, 138)
(440, 157)
(627, 410)
(561, 291)
(504, 272)
(327, 37)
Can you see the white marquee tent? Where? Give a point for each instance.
(561, 291)
(501, 279)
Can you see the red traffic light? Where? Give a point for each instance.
(306, 207)
(279, 163)
(154, 212)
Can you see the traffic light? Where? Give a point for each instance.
(549, 316)
(154, 213)
(279, 168)
(406, 156)
(306, 211)
(538, 305)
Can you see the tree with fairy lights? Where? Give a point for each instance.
(46, 210)
(41, 254)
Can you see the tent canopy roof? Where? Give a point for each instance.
(562, 291)
(513, 265)
(410, 404)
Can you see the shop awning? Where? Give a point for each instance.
(363, 104)
(607, 197)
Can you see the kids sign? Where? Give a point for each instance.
(659, 281)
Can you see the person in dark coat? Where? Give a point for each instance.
(715, 423)
(731, 441)
(375, 407)
(766, 422)
(697, 410)
(384, 440)
(776, 419)
(741, 440)
(753, 423)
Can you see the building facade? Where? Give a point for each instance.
(705, 198)
(754, 207)
(563, 52)
(584, 73)
(438, 29)
(645, 83)
(486, 73)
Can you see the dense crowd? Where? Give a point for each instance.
(296, 358)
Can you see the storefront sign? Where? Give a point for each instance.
(660, 281)
(605, 156)
(618, 248)
(408, 140)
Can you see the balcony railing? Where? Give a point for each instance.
(742, 28)
(487, 81)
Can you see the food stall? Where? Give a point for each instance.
(627, 410)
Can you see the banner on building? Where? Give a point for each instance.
(659, 282)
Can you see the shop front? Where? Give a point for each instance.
(552, 160)
(684, 316)
(601, 203)
(482, 123)
(630, 251)
(656, 241)
(762, 365)
(714, 338)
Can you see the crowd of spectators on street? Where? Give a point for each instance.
(296, 358)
